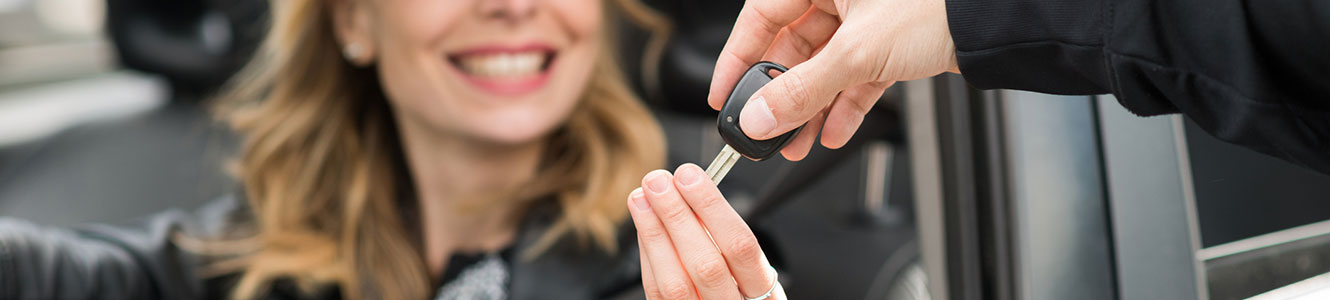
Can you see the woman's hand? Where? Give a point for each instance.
(678, 217)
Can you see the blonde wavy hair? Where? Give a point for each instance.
(319, 161)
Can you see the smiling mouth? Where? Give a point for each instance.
(500, 65)
(505, 71)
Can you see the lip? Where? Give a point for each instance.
(509, 86)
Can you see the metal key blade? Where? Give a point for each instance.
(722, 164)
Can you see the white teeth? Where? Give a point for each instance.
(504, 64)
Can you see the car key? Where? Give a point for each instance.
(736, 143)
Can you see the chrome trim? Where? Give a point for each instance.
(922, 138)
(1265, 240)
(877, 178)
(1189, 203)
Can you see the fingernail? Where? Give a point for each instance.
(756, 119)
(638, 200)
(657, 183)
(688, 174)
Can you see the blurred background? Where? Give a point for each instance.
(100, 107)
(946, 193)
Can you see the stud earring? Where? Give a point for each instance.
(353, 51)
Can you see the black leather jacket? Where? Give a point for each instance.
(141, 261)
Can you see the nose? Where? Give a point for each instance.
(510, 10)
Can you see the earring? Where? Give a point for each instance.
(353, 51)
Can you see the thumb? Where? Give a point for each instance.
(792, 98)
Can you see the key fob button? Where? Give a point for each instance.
(728, 121)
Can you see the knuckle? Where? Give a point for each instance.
(676, 215)
(801, 42)
(861, 102)
(705, 201)
(712, 273)
(676, 290)
(653, 234)
(758, 15)
(745, 249)
(799, 93)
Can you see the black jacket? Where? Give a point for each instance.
(141, 261)
(1255, 73)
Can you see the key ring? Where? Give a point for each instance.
(775, 281)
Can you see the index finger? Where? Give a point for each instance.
(728, 230)
(754, 30)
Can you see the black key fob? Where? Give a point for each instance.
(728, 122)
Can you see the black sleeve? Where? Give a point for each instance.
(1255, 73)
(139, 261)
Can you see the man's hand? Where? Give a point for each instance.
(844, 54)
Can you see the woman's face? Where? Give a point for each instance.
(499, 71)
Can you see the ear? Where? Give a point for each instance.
(351, 24)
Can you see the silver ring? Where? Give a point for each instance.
(775, 281)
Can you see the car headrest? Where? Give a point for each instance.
(195, 44)
(683, 74)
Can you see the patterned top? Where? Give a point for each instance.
(483, 280)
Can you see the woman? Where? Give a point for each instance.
(395, 149)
